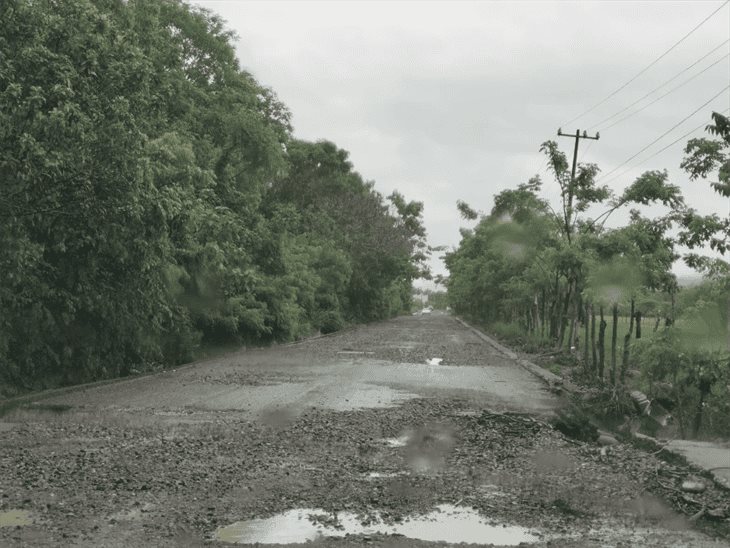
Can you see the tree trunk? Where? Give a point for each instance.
(564, 315)
(571, 334)
(574, 338)
(627, 344)
(554, 306)
(670, 319)
(656, 325)
(705, 388)
(542, 311)
(601, 345)
(586, 341)
(559, 323)
(638, 324)
(728, 323)
(614, 336)
(593, 340)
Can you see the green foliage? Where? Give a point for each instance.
(154, 200)
(529, 264)
(705, 156)
(506, 331)
(541, 270)
(466, 211)
(652, 186)
(698, 377)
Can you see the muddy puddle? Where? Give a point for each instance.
(382, 475)
(15, 518)
(366, 396)
(445, 524)
(400, 441)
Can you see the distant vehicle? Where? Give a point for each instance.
(426, 310)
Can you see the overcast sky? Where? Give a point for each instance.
(451, 100)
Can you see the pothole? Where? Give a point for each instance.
(400, 441)
(447, 523)
(15, 518)
(383, 475)
(366, 396)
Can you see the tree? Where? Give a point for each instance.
(541, 267)
(704, 157)
(154, 199)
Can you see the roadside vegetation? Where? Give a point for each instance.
(155, 200)
(603, 301)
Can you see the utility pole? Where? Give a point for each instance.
(578, 136)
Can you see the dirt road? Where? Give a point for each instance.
(361, 438)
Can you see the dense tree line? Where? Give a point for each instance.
(154, 199)
(558, 277)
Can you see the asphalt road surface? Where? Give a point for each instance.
(409, 432)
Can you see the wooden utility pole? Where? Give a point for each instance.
(577, 138)
(571, 190)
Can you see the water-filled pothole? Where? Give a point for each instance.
(400, 441)
(383, 475)
(15, 518)
(447, 523)
(365, 396)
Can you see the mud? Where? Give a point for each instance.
(170, 459)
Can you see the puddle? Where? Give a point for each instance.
(467, 414)
(447, 523)
(365, 396)
(403, 345)
(15, 518)
(381, 475)
(400, 441)
(355, 352)
(434, 361)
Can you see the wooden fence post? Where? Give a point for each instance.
(614, 336)
(601, 345)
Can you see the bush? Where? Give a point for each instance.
(331, 321)
(514, 334)
(698, 379)
(507, 331)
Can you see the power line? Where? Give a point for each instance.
(654, 62)
(687, 81)
(658, 152)
(599, 124)
(585, 150)
(666, 132)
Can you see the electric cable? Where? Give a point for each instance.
(666, 132)
(654, 62)
(704, 124)
(599, 124)
(631, 114)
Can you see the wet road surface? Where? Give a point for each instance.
(360, 432)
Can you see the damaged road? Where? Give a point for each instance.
(410, 432)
